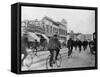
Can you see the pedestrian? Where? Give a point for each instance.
(79, 44)
(70, 47)
(35, 46)
(92, 44)
(85, 44)
(54, 45)
(75, 44)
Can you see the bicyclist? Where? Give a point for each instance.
(54, 45)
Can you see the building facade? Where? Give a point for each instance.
(48, 27)
(34, 26)
(62, 32)
(52, 27)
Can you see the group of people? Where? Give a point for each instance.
(77, 44)
(55, 45)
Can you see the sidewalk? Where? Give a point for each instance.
(82, 59)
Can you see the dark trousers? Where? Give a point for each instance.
(70, 48)
(84, 47)
(35, 50)
(52, 54)
(57, 52)
(80, 48)
(75, 47)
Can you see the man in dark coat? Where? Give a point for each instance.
(85, 43)
(54, 45)
(79, 44)
(70, 46)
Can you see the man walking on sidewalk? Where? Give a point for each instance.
(70, 47)
(79, 45)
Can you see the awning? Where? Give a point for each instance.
(44, 36)
(33, 37)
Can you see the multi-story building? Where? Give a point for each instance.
(48, 27)
(62, 31)
(34, 26)
(52, 27)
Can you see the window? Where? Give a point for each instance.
(50, 29)
(47, 28)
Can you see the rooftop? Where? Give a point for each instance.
(51, 20)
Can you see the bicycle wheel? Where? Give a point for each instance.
(48, 63)
(29, 60)
(59, 60)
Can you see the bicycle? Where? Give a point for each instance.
(57, 62)
(31, 53)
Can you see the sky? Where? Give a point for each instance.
(82, 21)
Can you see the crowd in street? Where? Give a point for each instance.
(55, 45)
(78, 44)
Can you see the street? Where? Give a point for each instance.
(77, 59)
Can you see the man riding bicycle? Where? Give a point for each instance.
(54, 45)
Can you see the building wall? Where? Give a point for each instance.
(33, 26)
(47, 27)
(62, 31)
(50, 28)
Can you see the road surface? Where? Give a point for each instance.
(77, 59)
